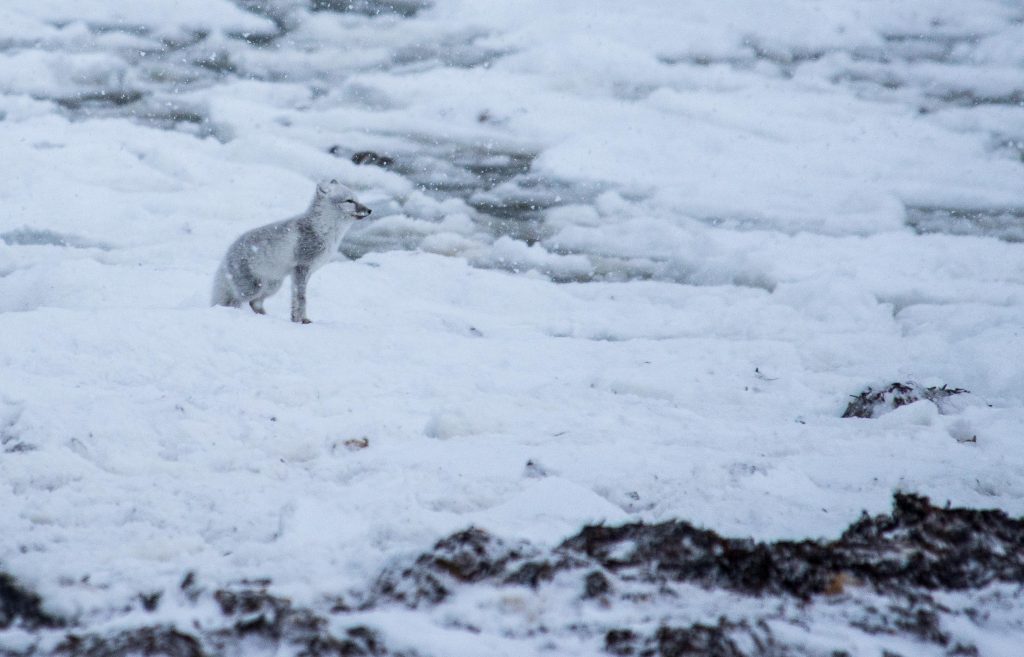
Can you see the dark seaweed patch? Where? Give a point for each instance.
(162, 641)
(872, 403)
(884, 570)
(19, 605)
(249, 612)
(916, 547)
(465, 557)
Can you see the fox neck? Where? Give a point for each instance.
(327, 217)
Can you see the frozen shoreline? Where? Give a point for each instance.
(652, 254)
(666, 589)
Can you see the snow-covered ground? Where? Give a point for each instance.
(650, 249)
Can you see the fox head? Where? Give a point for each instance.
(341, 197)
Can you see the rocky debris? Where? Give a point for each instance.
(872, 403)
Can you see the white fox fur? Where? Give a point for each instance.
(258, 262)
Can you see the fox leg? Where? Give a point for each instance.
(264, 289)
(300, 276)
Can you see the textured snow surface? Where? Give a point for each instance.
(627, 261)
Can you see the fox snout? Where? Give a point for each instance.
(361, 211)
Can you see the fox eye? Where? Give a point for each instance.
(349, 200)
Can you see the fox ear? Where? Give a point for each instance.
(320, 191)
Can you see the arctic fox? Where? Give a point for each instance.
(257, 262)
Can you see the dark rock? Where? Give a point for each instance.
(370, 158)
